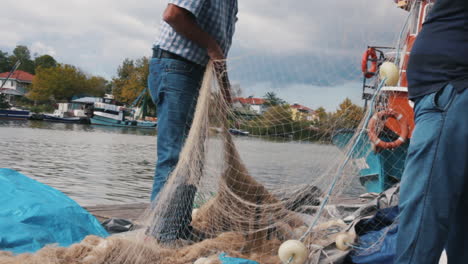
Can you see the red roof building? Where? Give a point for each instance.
(249, 100)
(252, 104)
(302, 108)
(20, 76)
(17, 83)
(300, 112)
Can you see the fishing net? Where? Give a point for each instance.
(213, 203)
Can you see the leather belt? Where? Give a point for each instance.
(163, 54)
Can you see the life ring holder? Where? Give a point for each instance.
(369, 55)
(372, 129)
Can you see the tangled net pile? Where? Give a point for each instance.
(236, 213)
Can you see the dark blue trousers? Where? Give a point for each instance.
(434, 187)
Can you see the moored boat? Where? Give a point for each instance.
(61, 119)
(14, 114)
(69, 113)
(105, 120)
(238, 132)
(109, 112)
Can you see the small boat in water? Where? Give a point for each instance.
(109, 112)
(68, 113)
(106, 120)
(62, 119)
(238, 132)
(14, 114)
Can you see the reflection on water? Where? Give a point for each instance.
(99, 165)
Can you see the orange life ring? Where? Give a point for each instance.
(374, 138)
(369, 55)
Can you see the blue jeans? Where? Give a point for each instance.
(434, 187)
(174, 86)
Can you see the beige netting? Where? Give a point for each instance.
(238, 214)
(250, 215)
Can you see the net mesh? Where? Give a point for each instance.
(213, 203)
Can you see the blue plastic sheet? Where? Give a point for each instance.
(33, 215)
(228, 260)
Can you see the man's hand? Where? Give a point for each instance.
(223, 80)
(215, 52)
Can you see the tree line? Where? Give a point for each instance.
(28, 63)
(278, 121)
(53, 81)
(56, 81)
(131, 80)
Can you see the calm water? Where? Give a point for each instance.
(102, 165)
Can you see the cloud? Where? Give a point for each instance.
(309, 27)
(94, 35)
(40, 48)
(298, 43)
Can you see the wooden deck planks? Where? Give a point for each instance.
(125, 211)
(133, 212)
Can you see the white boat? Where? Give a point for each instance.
(109, 112)
(59, 117)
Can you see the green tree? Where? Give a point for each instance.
(348, 115)
(3, 102)
(131, 81)
(126, 69)
(124, 72)
(271, 99)
(62, 83)
(4, 62)
(45, 61)
(276, 121)
(96, 86)
(321, 113)
(22, 53)
(109, 87)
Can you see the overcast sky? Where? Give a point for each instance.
(307, 51)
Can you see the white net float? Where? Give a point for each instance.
(194, 213)
(201, 261)
(345, 240)
(293, 252)
(390, 71)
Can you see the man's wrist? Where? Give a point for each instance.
(211, 45)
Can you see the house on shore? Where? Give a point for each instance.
(17, 84)
(255, 105)
(300, 112)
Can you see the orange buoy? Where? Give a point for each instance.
(369, 55)
(373, 136)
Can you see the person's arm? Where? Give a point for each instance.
(184, 23)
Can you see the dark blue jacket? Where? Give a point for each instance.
(440, 53)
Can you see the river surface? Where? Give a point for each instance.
(106, 165)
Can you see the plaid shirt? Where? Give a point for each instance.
(215, 17)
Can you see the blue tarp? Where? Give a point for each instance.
(33, 215)
(228, 260)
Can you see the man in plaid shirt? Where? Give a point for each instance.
(192, 32)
